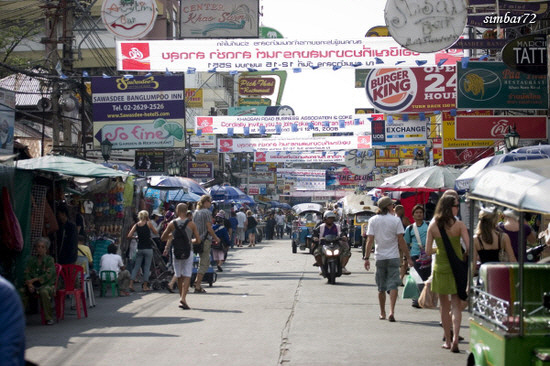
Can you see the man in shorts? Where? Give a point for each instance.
(241, 227)
(387, 231)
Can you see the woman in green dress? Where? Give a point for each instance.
(40, 279)
(443, 282)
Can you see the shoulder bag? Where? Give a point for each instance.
(424, 260)
(458, 266)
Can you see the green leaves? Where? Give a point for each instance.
(159, 122)
(174, 129)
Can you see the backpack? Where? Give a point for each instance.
(181, 244)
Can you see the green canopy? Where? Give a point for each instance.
(69, 166)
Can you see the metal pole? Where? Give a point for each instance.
(521, 261)
(247, 174)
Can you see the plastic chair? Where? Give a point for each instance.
(109, 278)
(70, 274)
(85, 263)
(42, 316)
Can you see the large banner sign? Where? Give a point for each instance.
(223, 125)
(304, 179)
(263, 54)
(399, 132)
(139, 112)
(495, 85)
(409, 90)
(300, 157)
(298, 144)
(496, 127)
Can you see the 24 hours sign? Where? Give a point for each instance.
(417, 89)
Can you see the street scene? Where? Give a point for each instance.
(274, 182)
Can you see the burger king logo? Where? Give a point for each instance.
(391, 90)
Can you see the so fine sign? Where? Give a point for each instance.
(412, 90)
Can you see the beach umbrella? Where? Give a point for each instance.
(69, 166)
(226, 192)
(178, 183)
(434, 177)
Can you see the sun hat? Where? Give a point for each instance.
(221, 214)
(384, 202)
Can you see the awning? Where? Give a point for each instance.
(69, 166)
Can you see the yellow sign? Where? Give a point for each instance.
(450, 141)
(193, 98)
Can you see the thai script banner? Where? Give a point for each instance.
(299, 144)
(222, 125)
(496, 127)
(483, 84)
(263, 54)
(300, 157)
(304, 179)
(398, 132)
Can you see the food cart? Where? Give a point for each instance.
(510, 308)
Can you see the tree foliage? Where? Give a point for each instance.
(16, 36)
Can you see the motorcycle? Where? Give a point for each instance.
(332, 266)
(534, 254)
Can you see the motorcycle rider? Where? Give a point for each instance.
(329, 227)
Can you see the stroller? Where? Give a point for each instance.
(161, 273)
(210, 276)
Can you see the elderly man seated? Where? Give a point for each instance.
(40, 279)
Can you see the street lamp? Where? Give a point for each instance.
(106, 147)
(174, 169)
(511, 139)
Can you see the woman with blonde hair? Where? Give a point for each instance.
(251, 229)
(144, 255)
(488, 241)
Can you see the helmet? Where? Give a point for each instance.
(329, 214)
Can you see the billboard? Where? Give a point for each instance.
(149, 160)
(200, 169)
(219, 19)
(139, 112)
(483, 84)
(262, 54)
(300, 157)
(399, 132)
(304, 179)
(297, 144)
(412, 90)
(496, 127)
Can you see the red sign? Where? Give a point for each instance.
(135, 56)
(496, 127)
(465, 156)
(412, 90)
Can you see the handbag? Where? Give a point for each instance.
(502, 255)
(410, 291)
(458, 266)
(427, 299)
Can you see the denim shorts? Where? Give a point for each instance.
(387, 274)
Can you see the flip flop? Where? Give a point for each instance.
(391, 318)
(382, 317)
(184, 306)
(200, 290)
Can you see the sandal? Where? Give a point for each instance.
(200, 290)
(391, 318)
(184, 306)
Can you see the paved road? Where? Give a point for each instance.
(269, 307)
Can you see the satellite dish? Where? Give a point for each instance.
(44, 105)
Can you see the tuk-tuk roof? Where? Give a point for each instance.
(303, 207)
(520, 185)
(353, 203)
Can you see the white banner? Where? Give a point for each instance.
(222, 125)
(299, 144)
(264, 54)
(203, 142)
(304, 179)
(300, 157)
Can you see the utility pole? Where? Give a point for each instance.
(51, 59)
(67, 61)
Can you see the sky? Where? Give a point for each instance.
(323, 91)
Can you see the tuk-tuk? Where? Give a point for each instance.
(510, 303)
(357, 209)
(308, 215)
(358, 227)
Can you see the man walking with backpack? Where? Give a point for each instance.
(178, 235)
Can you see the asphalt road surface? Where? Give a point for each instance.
(268, 307)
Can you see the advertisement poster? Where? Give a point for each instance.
(224, 125)
(399, 132)
(7, 121)
(149, 161)
(496, 127)
(466, 156)
(412, 90)
(263, 54)
(139, 112)
(304, 179)
(345, 177)
(449, 132)
(483, 84)
(200, 169)
(299, 157)
(299, 144)
(386, 157)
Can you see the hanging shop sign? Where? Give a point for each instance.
(345, 177)
(200, 169)
(494, 84)
(149, 161)
(203, 142)
(7, 121)
(418, 89)
(130, 19)
(496, 127)
(262, 54)
(304, 179)
(386, 157)
(465, 156)
(297, 144)
(399, 132)
(249, 86)
(193, 98)
(487, 44)
(527, 54)
(219, 19)
(300, 157)
(223, 125)
(449, 133)
(426, 25)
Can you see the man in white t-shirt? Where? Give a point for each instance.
(241, 226)
(113, 262)
(387, 231)
(280, 222)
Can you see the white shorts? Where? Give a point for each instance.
(183, 267)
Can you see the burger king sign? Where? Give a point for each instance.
(414, 90)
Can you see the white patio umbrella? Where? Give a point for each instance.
(435, 177)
